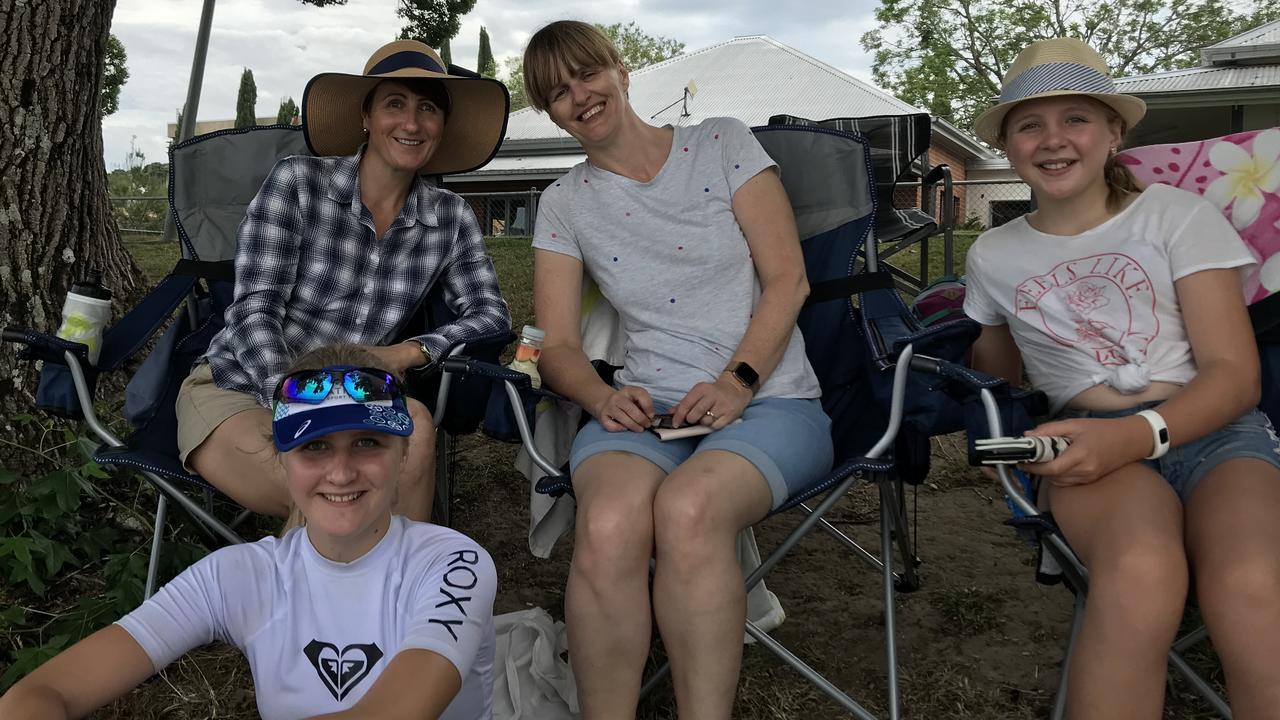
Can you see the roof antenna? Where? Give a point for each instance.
(690, 90)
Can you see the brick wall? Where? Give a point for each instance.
(910, 196)
(939, 156)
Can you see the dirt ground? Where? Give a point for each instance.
(979, 639)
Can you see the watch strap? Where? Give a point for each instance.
(1159, 433)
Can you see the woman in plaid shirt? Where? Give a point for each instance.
(342, 247)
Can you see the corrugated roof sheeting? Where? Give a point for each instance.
(1268, 34)
(516, 164)
(750, 78)
(1202, 78)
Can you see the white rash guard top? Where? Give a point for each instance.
(318, 633)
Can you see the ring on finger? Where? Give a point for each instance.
(712, 415)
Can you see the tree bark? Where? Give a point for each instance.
(55, 222)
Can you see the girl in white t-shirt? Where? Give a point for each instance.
(356, 614)
(1125, 306)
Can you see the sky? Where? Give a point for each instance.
(285, 43)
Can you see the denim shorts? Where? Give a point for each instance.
(1249, 436)
(787, 439)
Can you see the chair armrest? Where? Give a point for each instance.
(46, 347)
(463, 365)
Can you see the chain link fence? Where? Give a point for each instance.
(977, 205)
(504, 214)
(140, 215)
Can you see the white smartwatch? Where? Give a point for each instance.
(1159, 433)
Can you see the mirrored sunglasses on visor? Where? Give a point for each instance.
(362, 385)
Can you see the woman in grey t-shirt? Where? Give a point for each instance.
(689, 235)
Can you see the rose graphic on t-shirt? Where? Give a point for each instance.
(1100, 303)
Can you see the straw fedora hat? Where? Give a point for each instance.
(1060, 66)
(332, 124)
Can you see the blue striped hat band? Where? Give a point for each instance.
(1049, 77)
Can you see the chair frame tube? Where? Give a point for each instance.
(166, 489)
(1078, 577)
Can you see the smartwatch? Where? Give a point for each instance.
(745, 374)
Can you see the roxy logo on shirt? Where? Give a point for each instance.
(455, 589)
(1101, 303)
(342, 670)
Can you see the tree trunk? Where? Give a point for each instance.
(55, 222)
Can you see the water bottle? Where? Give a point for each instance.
(85, 314)
(528, 352)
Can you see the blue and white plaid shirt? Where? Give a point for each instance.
(311, 271)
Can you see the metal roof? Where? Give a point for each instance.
(551, 166)
(1199, 79)
(749, 78)
(1260, 44)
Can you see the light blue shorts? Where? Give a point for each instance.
(787, 439)
(1248, 436)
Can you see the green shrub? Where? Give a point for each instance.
(70, 548)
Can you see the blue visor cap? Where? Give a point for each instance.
(294, 423)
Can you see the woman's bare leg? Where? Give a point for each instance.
(607, 597)
(698, 592)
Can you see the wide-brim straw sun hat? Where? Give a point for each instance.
(478, 106)
(1060, 66)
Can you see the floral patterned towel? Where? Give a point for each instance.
(1240, 174)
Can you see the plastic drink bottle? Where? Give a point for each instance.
(85, 314)
(528, 352)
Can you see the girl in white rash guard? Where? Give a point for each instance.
(358, 613)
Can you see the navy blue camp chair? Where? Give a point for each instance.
(887, 384)
(900, 155)
(212, 179)
(1057, 563)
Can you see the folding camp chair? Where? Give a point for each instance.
(212, 179)
(1187, 166)
(1058, 563)
(863, 344)
(900, 154)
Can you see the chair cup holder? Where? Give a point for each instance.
(499, 417)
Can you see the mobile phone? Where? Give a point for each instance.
(662, 421)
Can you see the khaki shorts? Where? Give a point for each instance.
(202, 406)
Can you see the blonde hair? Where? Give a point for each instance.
(1120, 182)
(563, 48)
(336, 354)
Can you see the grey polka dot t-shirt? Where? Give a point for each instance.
(670, 256)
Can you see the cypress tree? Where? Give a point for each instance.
(247, 101)
(485, 64)
(288, 111)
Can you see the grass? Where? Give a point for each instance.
(971, 611)
(979, 640)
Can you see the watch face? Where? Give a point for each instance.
(746, 374)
